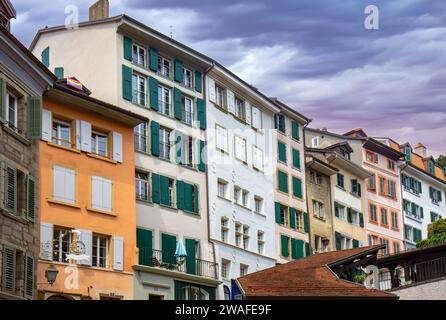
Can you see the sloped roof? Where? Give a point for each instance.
(311, 277)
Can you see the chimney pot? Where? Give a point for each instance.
(421, 150)
(99, 10)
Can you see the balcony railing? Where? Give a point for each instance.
(189, 265)
(412, 274)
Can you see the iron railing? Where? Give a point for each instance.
(415, 273)
(190, 265)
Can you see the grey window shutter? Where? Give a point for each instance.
(31, 199)
(85, 135)
(34, 118)
(46, 241)
(117, 147)
(2, 99)
(29, 277)
(118, 253)
(9, 270)
(46, 125)
(86, 237)
(10, 197)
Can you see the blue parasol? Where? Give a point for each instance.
(180, 252)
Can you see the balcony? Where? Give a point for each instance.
(193, 266)
(413, 274)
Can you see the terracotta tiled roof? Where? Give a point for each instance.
(421, 163)
(309, 277)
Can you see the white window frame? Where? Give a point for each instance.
(165, 141)
(187, 115)
(139, 97)
(191, 81)
(139, 181)
(14, 124)
(141, 136)
(137, 60)
(97, 253)
(240, 142)
(161, 69)
(220, 99)
(59, 241)
(222, 184)
(240, 108)
(95, 143)
(57, 140)
(258, 205)
(221, 143)
(162, 103)
(260, 242)
(224, 226)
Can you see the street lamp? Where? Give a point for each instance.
(51, 274)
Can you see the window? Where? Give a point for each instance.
(396, 247)
(315, 177)
(243, 270)
(165, 143)
(281, 150)
(245, 198)
(187, 78)
(355, 187)
(320, 243)
(410, 184)
(240, 109)
(220, 96)
(372, 156)
(412, 210)
(394, 220)
(315, 142)
(283, 215)
(408, 153)
(187, 114)
(101, 194)
(260, 242)
(435, 217)
(141, 140)
(64, 180)
(240, 148)
(299, 220)
(164, 66)
(100, 251)
(384, 251)
(61, 134)
(435, 195)
(224, 229)
(258, 205)
(372, 182)
(139, 55)
(282, 178)
(245, 237)
(99, 143)
(391, 188)
(257, 155)
(12, 111)
(280, 123)
(142, 186)
(225, 268)
(318, 209)
(188, 149)
(340, 211)
(222, 189)
(238, 234)
(61, 244)
(139, 86)
(373, 214)
(221, 138)
(164, 100)
(340, 180)
(391, 165)
(431, 167)
(170, 192)
(384, 220)
(237, 194)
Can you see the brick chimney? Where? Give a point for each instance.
(420, 149)
(99, 10)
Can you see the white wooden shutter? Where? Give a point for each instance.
(64, 184)
(240, 148)
(46, 241)
(211, 88)
(248, 112)
(101, 192)
(107, 195)
(85, 139)
(117, 147)
(118, 253)
(78, 134)
(46, 125)
(86, 237)
(257, 155)
(70, 185)
(231, 101)
(256, 118)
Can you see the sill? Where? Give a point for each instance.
(384, 226)
(222, 109)
(188, 167)
(282, 162)
(296, 140)
(282, 132)
(147, 153)
(242, 206)
(297, 169)
(140, 105)
(195, 214)
(222, 151)
(283, 192)
(168, 207)
(141, 201)
(395, 229)
(321, 219)
(243, 121)
(373, 222)
(223, 198)
(371, 190)
(15, 217)
(341, 188)
(52, 144)
(257, 169)
(412, 193)
(242, 161)
(413, 218)
(298, 198)
(102, 212)
(22, 138)
(355, 195)
(260, 214)
(72, 205)
(96, 156)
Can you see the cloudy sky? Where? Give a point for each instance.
(315, 55)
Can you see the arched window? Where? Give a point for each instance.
(227, 293)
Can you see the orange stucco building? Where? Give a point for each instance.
(87, 196)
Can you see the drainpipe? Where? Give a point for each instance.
(305, 177)
(402, 206)
(206, 72)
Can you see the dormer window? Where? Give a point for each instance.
(431, 167)
(408, 153)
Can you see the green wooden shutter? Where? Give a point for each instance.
(277, 211)
(59, 72)
(355, 243)
(127, 93)
(293, 218)
(29, 277)
(9, 270)
(34, 118)
(439, 196)
(306, 223)
(282, 151)
(188, 197)
(177, 104)
(153, 87)
(296, 158)
(202, 155)
(168, 246)
(361, 220)
(297, 187)
(201, 113)
(164, 191)
(283, 181)
(276, 121)
(153, 59)
(282, 123)
(421, 213)
(196, 200)
(293, 248)
(349, 215)
(31, 199)
(191, 256)
(307, 249)
(46, 57)
(198, 81)
(300, 249)
(178, 70)
(295, 130)
(128, 54)
(180, 194)
(284, 240)
(144, 244)
(2, 100)
(338, 240)
(156, 188)
(155, 142)
(180, 156)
